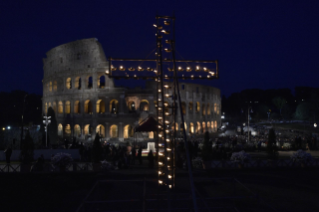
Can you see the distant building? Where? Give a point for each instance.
(86, 101)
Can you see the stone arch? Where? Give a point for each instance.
(100, 106)
(100, 129)
(87, 129)
(46, 108)
(128, 131)
(55, 85)
(208, 109)
(77, 107)
(88, 107)
(50, 86)
(198, 127)
(144, 105)
(114, 133)
(60, 130)
(67, 107)
(54, 107)
(77, 130)
(77, 83)
(197, 107)
(60, 107)
(204, 127)
(68, 83)
(184, 108)
(191, 128)
(185, 126)
(89, 82)
(114, 105)
(101, 81)
(131, 106)
(203, 110)
(67, 130)
(190, 107)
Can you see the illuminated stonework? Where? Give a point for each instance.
(86, 101)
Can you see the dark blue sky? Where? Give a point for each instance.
(259, 44)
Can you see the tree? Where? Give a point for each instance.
(279, 103)
(207, 151)
(52, 127)
(271, 146)
(304, 111)
(97, 149)
(27, 149)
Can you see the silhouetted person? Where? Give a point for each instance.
(150, 158)
(139, 155)
(8, 153)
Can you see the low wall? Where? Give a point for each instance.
(47, 153)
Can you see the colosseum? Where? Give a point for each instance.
(86, 101)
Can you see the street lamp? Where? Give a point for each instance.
(46, 122)
(315, 125)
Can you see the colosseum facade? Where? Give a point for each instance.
(86, 101)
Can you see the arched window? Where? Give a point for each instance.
(184, 108)
(203, 110)
(128, 131)
(54, 106)
(88, 107)
(60, 109)
(55, 86)
(50, 86)
(77, 107)
(151, 135)
(114, 131)
(191, 127)
(100, 106)
(60, 130)
(204, 127)
(87, 129)
(215, 108)
(68, 83)
(212, 126)
(101, 81)
(197, 107)
(67, 107)
(131, 106)
(190, 107)
(67, 130)
(176, 126)
(77, 82)
(144, 105)
(208, 109)
(100, 129)
(77, 130)
(90, 82)
(185, 126)
(198, 128)
(215, 125)
(208, 126)
(46, 108)
(114, 106)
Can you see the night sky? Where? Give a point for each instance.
(259, 44)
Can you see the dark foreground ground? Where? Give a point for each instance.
(283, 190)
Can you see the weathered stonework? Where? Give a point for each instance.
(86, 101)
